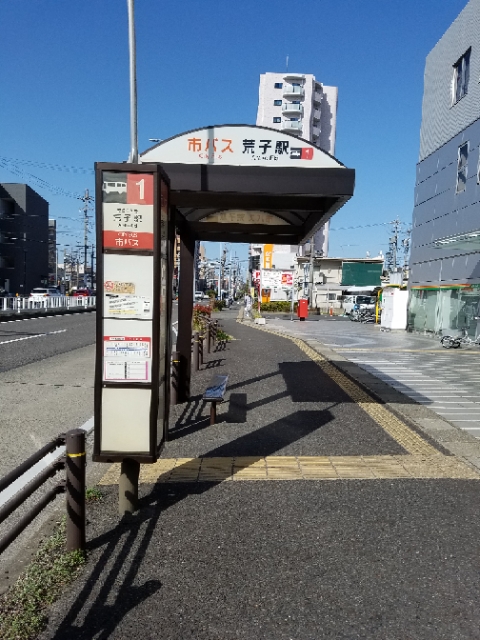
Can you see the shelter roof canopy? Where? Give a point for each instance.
(289, 186)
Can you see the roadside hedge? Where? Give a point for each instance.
(279, 305)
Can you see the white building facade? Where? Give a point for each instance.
(300, 105)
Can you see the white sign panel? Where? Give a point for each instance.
(241, 145)
(276, 278)
(128, 286)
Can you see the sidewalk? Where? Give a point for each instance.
(310, 511)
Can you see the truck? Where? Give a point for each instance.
(362, 298)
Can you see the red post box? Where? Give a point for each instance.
(302, 309)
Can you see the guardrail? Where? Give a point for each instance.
(74, 463)
(53, 302)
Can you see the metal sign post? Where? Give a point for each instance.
(132, 356)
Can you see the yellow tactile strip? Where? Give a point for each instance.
(396, 429)
(299, 468)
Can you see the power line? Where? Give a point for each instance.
(38, 182)
(364, 226)
(46, 165)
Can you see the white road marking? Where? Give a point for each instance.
(37, 335)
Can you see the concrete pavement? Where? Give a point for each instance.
(446, 381)
(313, 509)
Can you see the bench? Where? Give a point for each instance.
(214, 393)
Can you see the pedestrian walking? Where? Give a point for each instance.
(248, 305)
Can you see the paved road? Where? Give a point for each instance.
(26, 341)
(305, 513)
(446, 381)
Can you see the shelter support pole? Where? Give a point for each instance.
(185, 311)
(128, 486)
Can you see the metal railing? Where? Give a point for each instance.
(50, 302)
(74, 463)
(201, 342)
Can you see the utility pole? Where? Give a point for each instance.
(392, 254)
(310, 274)
(91, 266)
(86, 199)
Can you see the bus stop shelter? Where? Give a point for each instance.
(243, 183)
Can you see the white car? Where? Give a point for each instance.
(199, 295)
(39, 294)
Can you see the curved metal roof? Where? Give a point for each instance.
(265, 173)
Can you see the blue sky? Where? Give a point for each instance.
(65, 91)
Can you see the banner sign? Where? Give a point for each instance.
(240, 145)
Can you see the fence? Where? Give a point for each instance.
(50, 302)
(74, 463)
(201, 340)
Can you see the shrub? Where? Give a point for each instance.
(201, 313)
(218, 305)
(275, 306)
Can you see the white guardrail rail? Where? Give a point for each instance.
(53, 302)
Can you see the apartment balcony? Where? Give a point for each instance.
(317, 97)
(315, 131)
(292, 110)
(292, 126)
(294, 77)
(316, 114)
(293, 92)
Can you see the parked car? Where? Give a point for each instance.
(40, 293)
(199, 295)
(362, 302)
(82, 293)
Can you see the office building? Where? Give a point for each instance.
(23, 239)
(445, 252)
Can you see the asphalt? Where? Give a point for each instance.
(383, 557)
(30, 340)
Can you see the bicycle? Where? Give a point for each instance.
(455, 342)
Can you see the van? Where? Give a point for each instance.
(115, 187)
(365, 303)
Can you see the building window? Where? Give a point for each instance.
(277, 103)
(277, 120)
(462, 167)
(278, 85)
(461, 75)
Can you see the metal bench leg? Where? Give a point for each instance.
(213, 413)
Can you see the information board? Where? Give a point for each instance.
(130, 393)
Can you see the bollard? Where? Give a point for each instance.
(195, 351)
(174, 377)
(208, 336)
(75, 468)
(128, 486)
(215, 329)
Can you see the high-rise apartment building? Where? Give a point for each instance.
(300, 105)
